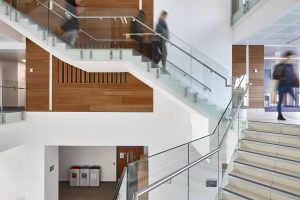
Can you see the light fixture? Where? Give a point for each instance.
(23, 60)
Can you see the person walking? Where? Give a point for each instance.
(71, 24)
(285, 74)
(163, 30)
(137, 29)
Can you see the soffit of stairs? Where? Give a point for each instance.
(12, 44)
(8, 34)
(276, 23)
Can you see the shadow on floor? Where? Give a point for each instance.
(105, 191)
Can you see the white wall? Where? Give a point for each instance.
(11, 174)
(105, 157)
(206, 26)
(203, 24)
(9, 70)
(168, 123)
(51, 159)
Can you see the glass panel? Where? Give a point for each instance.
(242, 7)
(203, 179)
(149, 170)
(122, 193)
(175, 189)
(228, 116)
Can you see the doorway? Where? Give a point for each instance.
(126, 155)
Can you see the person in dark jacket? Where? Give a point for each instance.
(287, 81)
(71, 25)
(163, 30)
(137, 29)
(14, 3)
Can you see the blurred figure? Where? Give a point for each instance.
(162, 28)
(14, 3)
(137, 29)
(285, 74)
(71, 24)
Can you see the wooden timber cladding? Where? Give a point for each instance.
(99, 92)
(256, 76)
(37, 78)
(70, 74)
(239, 59)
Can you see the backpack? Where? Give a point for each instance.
(278, 72)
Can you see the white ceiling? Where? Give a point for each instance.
(12, 44)
(282, 31)
(12, 54)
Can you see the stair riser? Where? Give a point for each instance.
(249, 187)
(260, 190)
(273, 138)
(269, 161)
(264, 127)
(269, 176)
(228, 196)
(276, 128)
(282, 151)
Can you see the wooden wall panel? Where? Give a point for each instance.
(256, 61)
(103, 30)
(37, 95)
(239, 59)
(109, 95)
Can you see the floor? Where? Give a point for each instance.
(261, 115)
(105, 191)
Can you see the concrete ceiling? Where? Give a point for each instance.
(283, 31)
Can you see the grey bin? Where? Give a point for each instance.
(95, 176)
(85, 176)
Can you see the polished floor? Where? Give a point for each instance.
(104, 192)
(261, 115)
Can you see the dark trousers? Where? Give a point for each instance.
(14, 3)
(164, 54)
(287, 89)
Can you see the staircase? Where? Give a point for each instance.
(194, 94)
(267, 164)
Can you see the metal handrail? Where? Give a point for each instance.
(135, 19)
(115, 197)
(187, 167)
(194, 79)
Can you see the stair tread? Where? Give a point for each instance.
(275, 155)
(243, 193)
(270, 168)
(284, 190)
(283, 144)
(273, 133)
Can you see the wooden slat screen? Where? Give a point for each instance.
(69, 74)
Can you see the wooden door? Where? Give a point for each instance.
(126, 155)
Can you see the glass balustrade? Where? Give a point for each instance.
(193, 78)
(203, 177)
(241, 8)
(192, 183)
(12, 101)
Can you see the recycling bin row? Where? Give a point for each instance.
(85, 176)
